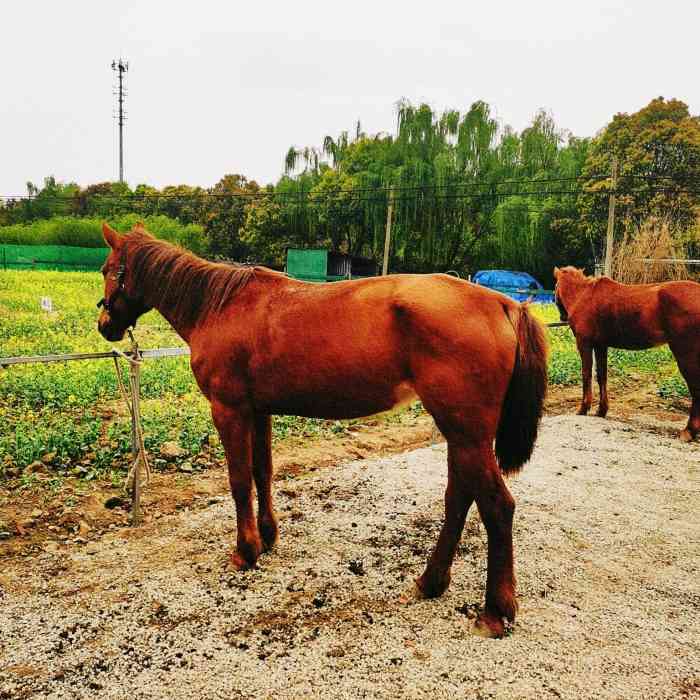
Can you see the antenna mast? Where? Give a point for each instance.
(120, 67)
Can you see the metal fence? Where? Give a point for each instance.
(134, 358)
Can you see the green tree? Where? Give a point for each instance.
(224, 215)
(658, 152)
(266, 231)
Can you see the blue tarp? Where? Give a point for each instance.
(517, 285)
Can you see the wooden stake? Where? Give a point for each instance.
(134, 369)
(611, 221)
(135, 386)
(387, 237)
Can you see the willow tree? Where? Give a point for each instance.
(454, 180)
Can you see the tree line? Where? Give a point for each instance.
(466, 193)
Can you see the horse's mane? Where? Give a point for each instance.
(574, 272)
(185, 284)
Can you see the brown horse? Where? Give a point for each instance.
(262, 343)
(603, 313)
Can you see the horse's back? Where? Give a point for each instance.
(372, 342)
(638, 316)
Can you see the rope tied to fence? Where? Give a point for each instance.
(132, 483)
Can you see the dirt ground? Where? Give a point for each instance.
(607, 553)
(74, 512)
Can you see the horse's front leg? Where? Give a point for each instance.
(586, 352)
(262, 473)
(235, 427)
(601, 371)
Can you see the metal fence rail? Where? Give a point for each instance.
(134, 357)
(111, 354)
(43, 359)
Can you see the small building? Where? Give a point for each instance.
(321, 265)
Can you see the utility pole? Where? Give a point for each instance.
(611, 221)
(387, 236)
(120, 67)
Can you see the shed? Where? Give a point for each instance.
(321, 265)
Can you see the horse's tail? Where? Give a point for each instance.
(522, 406)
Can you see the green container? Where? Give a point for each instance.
(307, 264)
(51, 257)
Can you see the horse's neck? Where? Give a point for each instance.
(184, 330)
(578, 290)
(166, 304)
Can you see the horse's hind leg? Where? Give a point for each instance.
(496, 507)
(601, 372)
(688, 358)
(262, 473)
(474, 474)
(458, 498)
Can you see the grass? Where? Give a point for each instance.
(73, 409)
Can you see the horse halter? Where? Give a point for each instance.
(121, 273)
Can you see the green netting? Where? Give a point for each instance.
(51, 257)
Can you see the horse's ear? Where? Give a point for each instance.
(556, 273)
(112, 238)
(139, 227)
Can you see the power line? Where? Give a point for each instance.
(407, 194)
(450, 190)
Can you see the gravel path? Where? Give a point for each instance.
(606, 541)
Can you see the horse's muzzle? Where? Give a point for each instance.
(109, 332)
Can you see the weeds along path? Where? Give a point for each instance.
(607, 550)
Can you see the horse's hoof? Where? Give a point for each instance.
(583, 411)
(429, 588)
(601, 413)
(488, 626)
(686, 435)
(269, 535)
(240, 563)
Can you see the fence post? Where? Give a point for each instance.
(387, 236)
(611, 221)
(135, 385)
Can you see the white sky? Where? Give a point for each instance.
(227, 87)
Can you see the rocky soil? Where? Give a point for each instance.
(607, 542)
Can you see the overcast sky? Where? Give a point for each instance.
(227, 87)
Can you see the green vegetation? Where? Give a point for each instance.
(87, 232)
(468, 193)
(74, 409)
(658, 152)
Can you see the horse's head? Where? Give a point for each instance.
(122, 304)
(567, 280)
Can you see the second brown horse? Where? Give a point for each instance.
(603, 313)
(262, 343)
